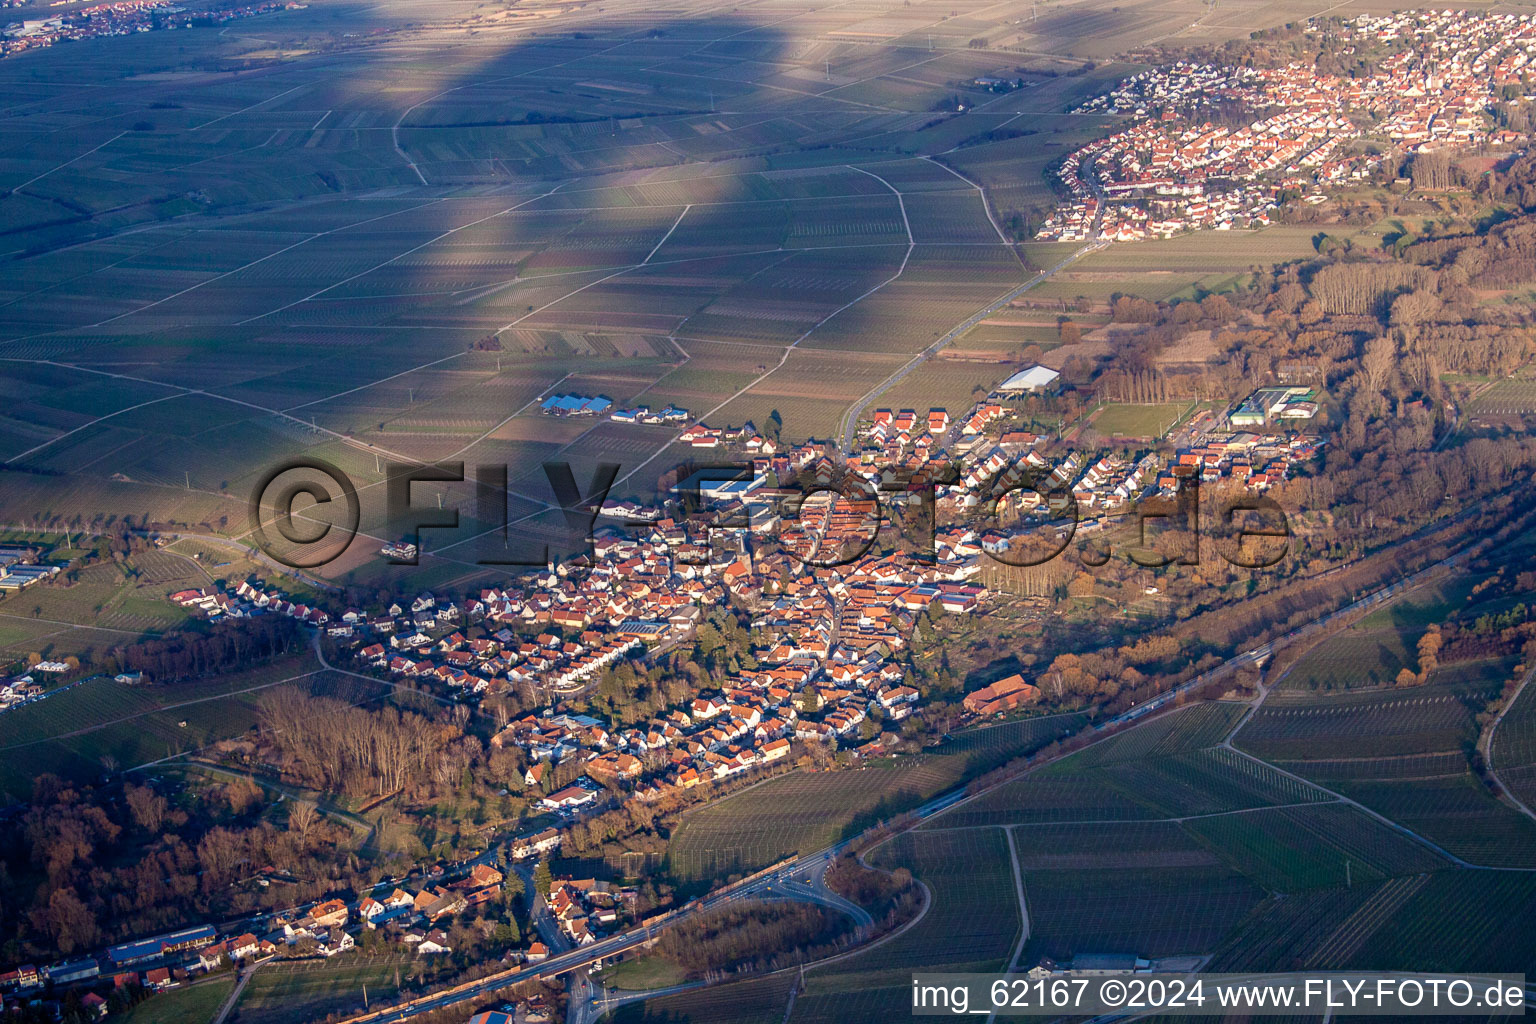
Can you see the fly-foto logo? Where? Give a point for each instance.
(306, 513)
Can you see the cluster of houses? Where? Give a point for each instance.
(824, 640)
(168, 961)
(585, 908)
(121, 18)
(1175, 170)
(746, 437)
(19, 690)
(643, 415)
(1256, 462)
(245, 600)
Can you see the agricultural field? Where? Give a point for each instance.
(1403, 753)
(969, 927)
(1511, 398)
(102, 605)
(1291, 849)
(195, 1004)
(805, 811)
(75, 731)
(1372, 651)
(292, 993)
(1514, 747)
(1402, 922)
(1193, 835)
(1157, 912)
(1409, 721)
(1168, 767)
(758, 1001)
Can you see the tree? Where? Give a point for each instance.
(543, 881)
(301, 819)
(1429, 651)
(69, 921)
(148, 807)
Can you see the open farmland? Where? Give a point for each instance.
(1294, 848)
(69, 732)
(806, 811)
(1392, 723)
(1404, 753)
(1514, 747)
(1372, 651)
(1513, 398)
(198, 1004)
(972, 925)
(759, 1001)
(1400, 924)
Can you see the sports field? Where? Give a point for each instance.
(1137, 422)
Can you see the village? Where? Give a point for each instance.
(413, 919)
(1180, 168)
(823, 669)
(120, 18)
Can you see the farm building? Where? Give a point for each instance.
(1003, 695)
(575, 405)
(15, 577)
(1029, 380)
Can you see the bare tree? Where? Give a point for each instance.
(302, 817)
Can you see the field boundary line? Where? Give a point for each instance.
(414, 249)
(986, 206)
(1396, 826)
(1493, 734)
(1018, 885)
(1133, 821)
(784, 358)
(154, 711)
(66, 163)
(667, 235)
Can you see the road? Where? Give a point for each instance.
(811, 887)
(1492, 731)
(588, 1001)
